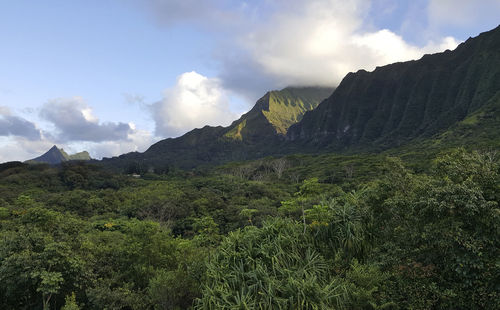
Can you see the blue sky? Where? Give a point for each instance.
(116, 76)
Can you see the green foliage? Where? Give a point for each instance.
(377, 236)
(447, 235)
(177, 288)
(270, 267)
(364, 282)
(207, 231)
(70, 303)
(4, 213)
(39, 258)
(343, 224)
(249, 213)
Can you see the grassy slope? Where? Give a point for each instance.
(288, 106)
(279, 109)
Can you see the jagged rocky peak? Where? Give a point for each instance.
(277, 110)
(56, 156)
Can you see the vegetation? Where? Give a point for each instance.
(287, 106)
(268, 234)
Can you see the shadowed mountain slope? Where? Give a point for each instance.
(403, 101)
(395, 105)
(255, 134)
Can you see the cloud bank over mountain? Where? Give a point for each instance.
(269, 45)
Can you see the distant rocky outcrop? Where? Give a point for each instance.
(56, 156)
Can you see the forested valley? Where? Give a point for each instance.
(366, 231)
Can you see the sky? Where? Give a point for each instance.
(115, 76)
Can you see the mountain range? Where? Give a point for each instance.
(449, 97)
(255, 134)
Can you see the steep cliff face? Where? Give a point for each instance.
(276, 111)
(402, 101)
(287, 107)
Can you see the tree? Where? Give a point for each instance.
(70, 303)
(304, 198)
(447, 233)
(342, 225)
(279, 166)
(39, 259)
(50, 283)
(273, 267)
(248, 213)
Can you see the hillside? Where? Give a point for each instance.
(397, 103)
(478, 131)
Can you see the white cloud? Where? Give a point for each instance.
(325, 39)
(263, 45)
(194, 101)
(384, 47)
(12, 125)
(21, 149)
(137, 141)
(75, 122)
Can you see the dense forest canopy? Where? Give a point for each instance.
(299, 232)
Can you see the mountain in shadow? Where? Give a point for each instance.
(56, 156)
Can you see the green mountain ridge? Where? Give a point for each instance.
(400, 102)
(393, 107)
(281, 109)
(479, 130)
(255, 134)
